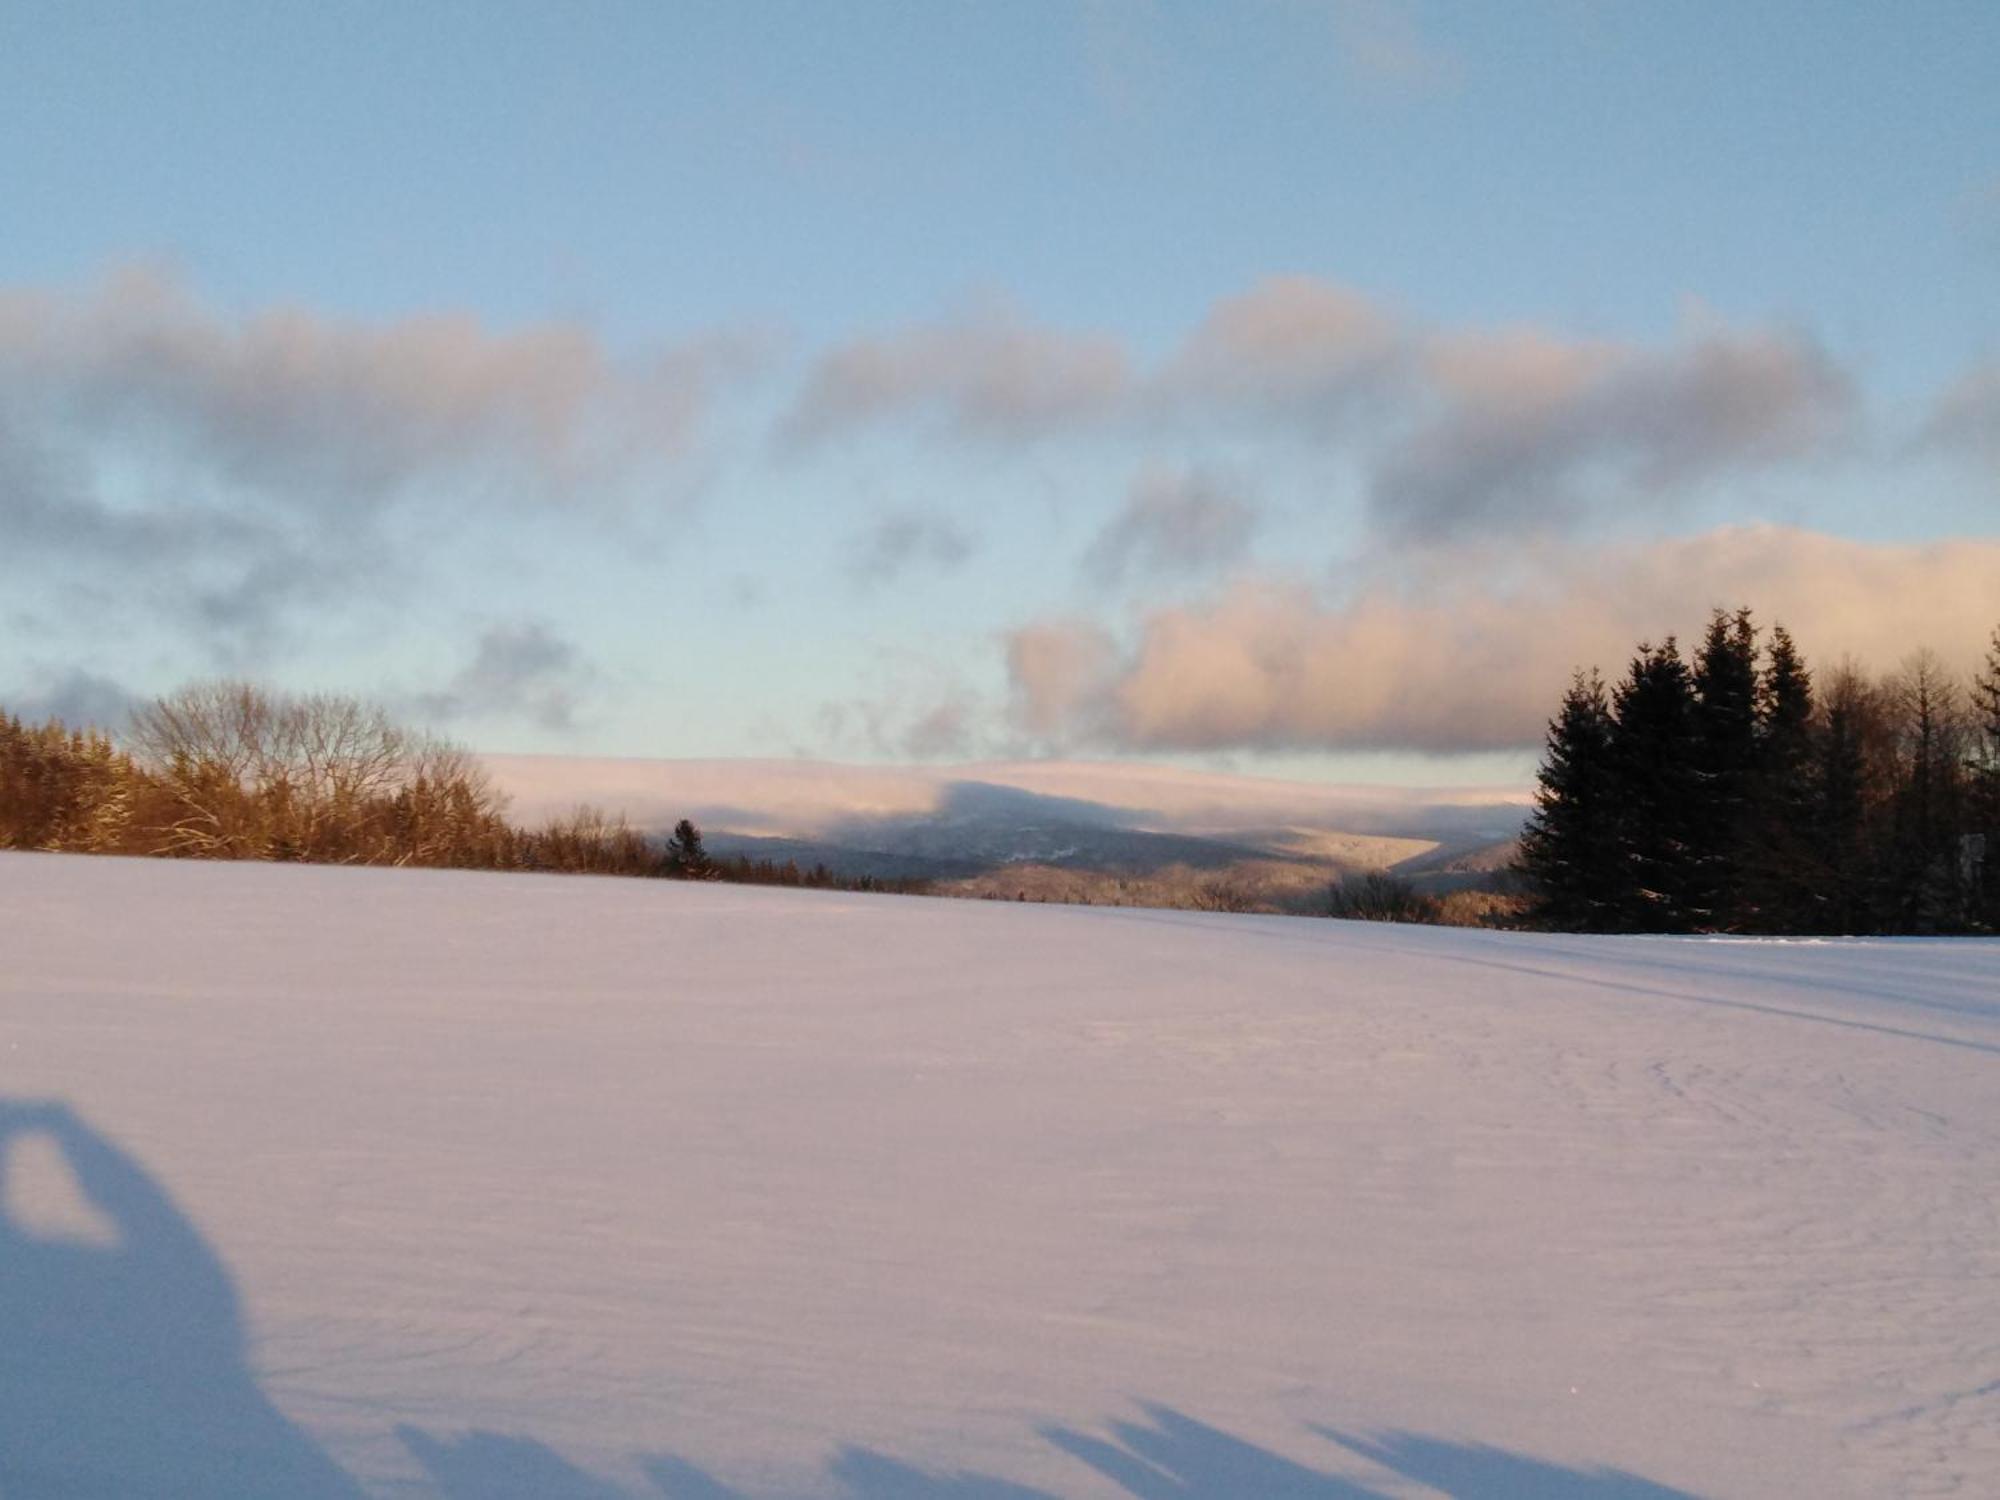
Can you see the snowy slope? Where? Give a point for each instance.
(329, 1183)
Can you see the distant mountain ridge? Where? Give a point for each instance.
(1063, 826)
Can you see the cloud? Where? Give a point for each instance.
(1524, 428)
(1061, 672)
(1292, 347)
(943, 731)
(233, 471)
(1453, 431)
(296, 408)
(993, 374)
(77, 697)
(895, 543)
(1966, 418)
(1453, 662)
(521, 670)
(1172, 524)
(229, 574)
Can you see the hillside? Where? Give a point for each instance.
(341, 1182)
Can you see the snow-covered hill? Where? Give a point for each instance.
(329, 1183)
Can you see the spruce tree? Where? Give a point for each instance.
(1929, 805)
(1780, 890)
(1724, 770)
(1849, 880)
(1653, 750)
(1569, 850)
(1985, 788)
(685, 856)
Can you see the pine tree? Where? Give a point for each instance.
(1653, 749)
(1569, 850)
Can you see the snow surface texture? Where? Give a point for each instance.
(330, 1183)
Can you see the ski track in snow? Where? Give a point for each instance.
(460, 1186)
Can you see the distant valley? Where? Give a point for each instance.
(1088, 832)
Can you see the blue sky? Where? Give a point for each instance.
(1226, 384)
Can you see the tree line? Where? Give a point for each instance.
(1733, 792)
(229, 770)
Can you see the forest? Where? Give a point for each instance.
(1735, 792)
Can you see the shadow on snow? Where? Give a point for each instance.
(124, 1375)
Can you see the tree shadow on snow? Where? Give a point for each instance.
(492, 1467)
(124, 1375)
(123, 1371)
(1171, 1456)
(1473, 1469)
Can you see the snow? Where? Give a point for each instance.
(330, 1183)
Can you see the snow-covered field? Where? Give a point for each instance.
(326, 1183)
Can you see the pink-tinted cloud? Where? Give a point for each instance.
(1291, 347)
(1062, 673)
(1464, 664)
(994, 374)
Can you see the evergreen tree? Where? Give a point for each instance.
(1653, 752)
(1779, 887)
(1846, 864)
(1929, 805)
(1569, 850)
(1985, 788)
(1724, 766)
(685, 857)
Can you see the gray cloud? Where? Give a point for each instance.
(1473, 660)
(928, 721)
(895, 543)
(1172, 524)
(300, 409)
(1526, 429)
(521, 670)
(232, 472)
(79, 698)
(1965, 419)
(1454, 432)
(943, 731)
(228, 574)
